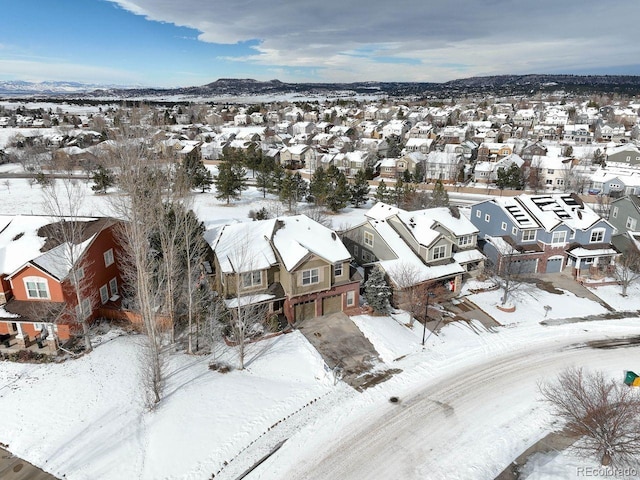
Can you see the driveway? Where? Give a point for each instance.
(565, 281)
(345, 349)
(14, 468)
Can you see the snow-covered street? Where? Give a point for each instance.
(468, 401)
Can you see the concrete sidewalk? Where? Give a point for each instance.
(14, 468)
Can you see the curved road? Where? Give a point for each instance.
(469, 424)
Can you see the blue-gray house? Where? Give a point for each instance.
(545, 234)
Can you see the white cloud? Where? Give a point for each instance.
(444, 40)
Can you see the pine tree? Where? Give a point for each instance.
(382, 192)
(201, 178)
(230, 181)
(439, 196)
(338, 193)
(377, 292)
(318, 186)
(359, 189)
(287, 192)
(276, 178)
(102, 178)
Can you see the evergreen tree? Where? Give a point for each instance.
(377, 292)
(102, 178)
(439, 196)
(395, 146)
(202, 178)
(382, 192)
(287, 193)
(318, 186)
(276, 178)
(338, 193)
(510, 177)
(418, 174)
(359, 189)
(230, 181)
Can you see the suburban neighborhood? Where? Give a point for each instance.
(307, 254)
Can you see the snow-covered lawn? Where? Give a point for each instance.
(86, 419)
(611, 294)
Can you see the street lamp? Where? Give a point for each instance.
(426, 316)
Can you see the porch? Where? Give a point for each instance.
(13, 343)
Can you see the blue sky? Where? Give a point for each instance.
(168, 43)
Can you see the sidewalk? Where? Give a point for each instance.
(14, 468)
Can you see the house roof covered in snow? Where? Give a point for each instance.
(250, 246)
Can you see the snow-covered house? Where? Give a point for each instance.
(436, 245)
(544, 234)
(292, 266)
(40, 303)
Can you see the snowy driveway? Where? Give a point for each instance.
(470, 423)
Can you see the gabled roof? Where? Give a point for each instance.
(296, 237)
(25, 238)
(250, 246)
(548, 211)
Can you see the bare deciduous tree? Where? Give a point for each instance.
(63, 202)
(142, 182)
(627, 268)
(602, 413)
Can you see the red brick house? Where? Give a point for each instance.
(38, 302)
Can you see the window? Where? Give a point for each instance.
(514, 231)
(104, 294)
(478, 213)
(465, 240)
(504, 226)
(85, 311)
(559, 181)
(36, 287)
(79, 274)
(631, 224)
(367, 257)
(108, 257)
(597, 236)
(528, 235)
(310, 277)
(337, 269)
(113, 286)
(251, 279)
(614, 212)
(548, 182)
(355, 251)
(559, 237)
(351, 298)
(368, 239)
(487, 218)
(439, 252)
(550, 171)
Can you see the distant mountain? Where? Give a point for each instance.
(496, 85)
(19, 87)
(229, 87)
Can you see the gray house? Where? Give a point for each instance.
(545, 234)
(625, 217)
(424, 246)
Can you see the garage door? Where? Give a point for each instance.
(521, 267)
(554, 265)
(304, 311)
(332, 304)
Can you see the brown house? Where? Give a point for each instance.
(39, 271)
(292, 265)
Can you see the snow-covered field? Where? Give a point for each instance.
(469, 402)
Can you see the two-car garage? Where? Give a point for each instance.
(306, 310)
